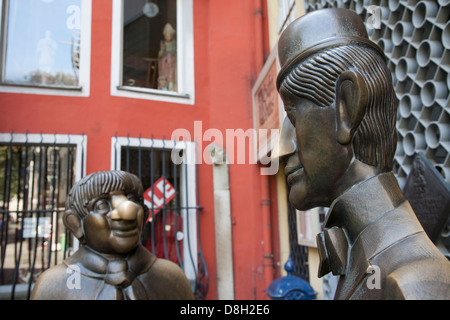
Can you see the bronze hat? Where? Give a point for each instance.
(317, 31)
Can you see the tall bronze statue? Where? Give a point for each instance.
(105, 211)
(338, 142)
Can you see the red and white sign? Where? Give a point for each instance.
(154, 196)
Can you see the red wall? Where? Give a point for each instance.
(229, 49)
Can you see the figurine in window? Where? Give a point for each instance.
(167, 55)
(105, 211)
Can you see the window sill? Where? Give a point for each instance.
(154, 91)
(43, 89)
(36, 86)
(152, 94)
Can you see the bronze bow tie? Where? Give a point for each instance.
(333, 249)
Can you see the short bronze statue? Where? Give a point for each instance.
(105, 211)
(338, 142)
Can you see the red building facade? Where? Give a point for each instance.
(223, 52)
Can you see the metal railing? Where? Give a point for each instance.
(38, 171)
(35, 178)
(173, 228)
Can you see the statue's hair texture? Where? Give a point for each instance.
(101, 183)
(315, 79)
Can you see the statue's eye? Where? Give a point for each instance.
(132, 197)
(101, 206)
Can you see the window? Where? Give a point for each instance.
(45, 45)
(170, 193)
(152, 50)
(36, 174)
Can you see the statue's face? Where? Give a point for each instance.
(313, 170)
(114, 223)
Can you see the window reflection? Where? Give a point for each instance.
(43, 42)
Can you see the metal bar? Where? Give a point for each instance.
(52, 203)
(176, 214)
(45, 204)
(139, 158)
(5, 174)
(5, 224)
(68, 185)
(204, 270)
(163, 159)
(55, 197)
(127, 150)
(19, 156)
(186, 197)
(33, 184)
(24, 206)
(152, 181)
(18, 195)
(38, 205)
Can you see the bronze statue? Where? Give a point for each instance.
(105, 211)
(338, 142)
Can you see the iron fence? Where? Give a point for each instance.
(35, 178)
(172, 196)
(36, 174)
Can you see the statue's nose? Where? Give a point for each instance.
(123, 208)
(287, 142)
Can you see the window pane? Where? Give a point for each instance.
(43, 42)
(150, 45)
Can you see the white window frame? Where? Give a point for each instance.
(187, 190)
(80, 141)
(83, 88)
(185, 59)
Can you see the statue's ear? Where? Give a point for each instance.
(351, 102)
(73, 222)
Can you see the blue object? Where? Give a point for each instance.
(290, 287)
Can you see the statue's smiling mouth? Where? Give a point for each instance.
(124, 228)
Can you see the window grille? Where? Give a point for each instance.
(173, 228)
(36, 174)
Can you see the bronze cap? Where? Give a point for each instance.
(317, 31)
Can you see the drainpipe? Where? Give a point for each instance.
(267, 232)
(222, 223)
